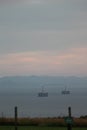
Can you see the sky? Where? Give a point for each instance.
(43, 37)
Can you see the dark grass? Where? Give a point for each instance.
(37, 128)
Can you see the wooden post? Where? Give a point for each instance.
(16, 116)
(69, 125)
(69, 110)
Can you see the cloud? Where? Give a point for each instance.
(70, 62)
(9, 1)
(75, 2)
(48, 33)
(34, 1)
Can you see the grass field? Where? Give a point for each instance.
(37, 128)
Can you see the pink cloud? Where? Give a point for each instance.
(70, 62)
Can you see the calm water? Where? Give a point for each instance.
(30, 105)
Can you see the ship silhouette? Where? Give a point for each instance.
(43, 93)
(65, 91)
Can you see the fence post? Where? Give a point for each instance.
(69, 125)
(16, 117)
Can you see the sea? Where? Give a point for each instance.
(55, 105)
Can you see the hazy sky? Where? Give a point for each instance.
(43, 37)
